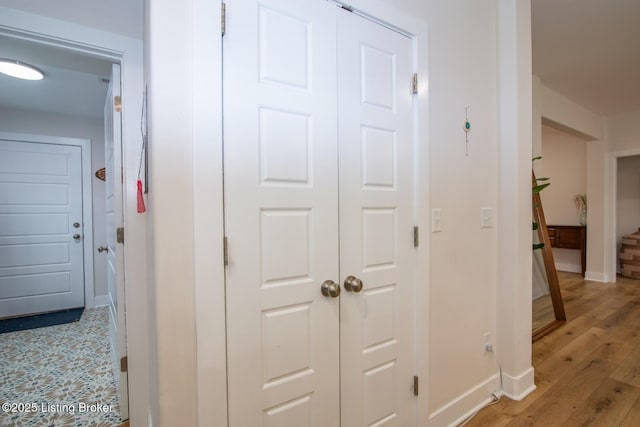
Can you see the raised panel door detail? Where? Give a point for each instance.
(284, 45)
(33, 224)
(285, 147)
(379, 317)
(378, 158)
(26, 193)
(378, 238)
(315, 194)
(15, 256)
(296, 413)
(380, 394)
(29, 163)
(286, 343)
(31, 285)
(285, 244)
(378, 77)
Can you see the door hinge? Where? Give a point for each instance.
(124, 364)
(120, 235)
(226, 251)
(414, 83)
(223, 18)
(416, 380)
(117, 103)
(416, 236)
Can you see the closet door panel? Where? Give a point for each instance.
(281, 213)
(376, 170)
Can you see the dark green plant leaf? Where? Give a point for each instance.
(538, 246)
(542, 179)
(536, 158)
(539, 188)
(535, 225)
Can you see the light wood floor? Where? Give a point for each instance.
(587, 372)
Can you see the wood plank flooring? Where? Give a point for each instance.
(587, 372)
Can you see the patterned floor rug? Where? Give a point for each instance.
(59, 376)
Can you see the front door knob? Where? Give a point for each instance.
(330, 289)
(77, 236)
(353, 284)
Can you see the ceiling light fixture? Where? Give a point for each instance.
(20, 70)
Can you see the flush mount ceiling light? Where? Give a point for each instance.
(20, 70)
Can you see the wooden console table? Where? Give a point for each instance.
(570, 237)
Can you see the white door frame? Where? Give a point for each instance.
(87, 206)
(208, 208)
(128, 52)
(611, 211)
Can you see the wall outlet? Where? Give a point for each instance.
(487, 344)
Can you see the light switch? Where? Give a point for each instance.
(436, 215)
(486, 217)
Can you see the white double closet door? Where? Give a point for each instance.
(319, 185)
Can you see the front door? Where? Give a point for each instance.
(41, 228)
(318, 161)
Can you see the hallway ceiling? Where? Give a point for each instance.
(589, 51)
(73, 85)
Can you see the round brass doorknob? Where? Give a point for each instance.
(353, 284)
(330, 289)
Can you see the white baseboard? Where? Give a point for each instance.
(475, 398)
(101, 300)
(571, 268)
(517, 388)
(596, 277)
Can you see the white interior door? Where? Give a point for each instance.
(307, 202)
(41, 248)
(377, 215)
(115, 256)
(281, 213)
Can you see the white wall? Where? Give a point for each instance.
(565, 163)
(628, 197)
(566, 115)
(169, 74)
(39, 123)
(463, 71)
(623, 132)
(463, 258)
